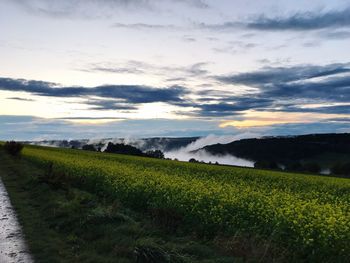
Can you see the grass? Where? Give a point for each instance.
(63, 223)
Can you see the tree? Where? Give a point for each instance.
(123, 149)
(294, 166)
(89, 147)
(341, 168)
(155, 154)
(266, 165)
(312, 167)
(13, 148)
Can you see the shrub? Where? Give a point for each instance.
(13, 148)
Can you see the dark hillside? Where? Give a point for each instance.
(283, 149)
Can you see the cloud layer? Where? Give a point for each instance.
(303, 21)
(118, 96)
(301, 88)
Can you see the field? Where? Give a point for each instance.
(307, 216)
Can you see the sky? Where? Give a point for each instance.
(73, 69)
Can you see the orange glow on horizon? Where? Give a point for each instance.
(257, 119)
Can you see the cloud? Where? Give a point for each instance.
(233, 47)
(271, 75)
(99, 8)
(141, 26)
(109, 105)
(138, 67)
(289, 89)
(18, 98)
(240, 104)
(133, 94)
(342, 120)
(303, 21)
(335, 35)
(195, 3)
(337, 109)
(88, 118)
(329, 82)
(300, 88)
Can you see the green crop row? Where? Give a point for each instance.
(309, 215)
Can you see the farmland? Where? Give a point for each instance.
(309, 215)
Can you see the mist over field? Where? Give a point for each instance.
(203, 155)
(190, 150)
(175, 130)
(194, 150)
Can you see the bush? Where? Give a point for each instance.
(13, 148)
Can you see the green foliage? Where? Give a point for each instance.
(309, 215)
(13, 148)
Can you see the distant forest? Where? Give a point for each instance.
(309, 153)
(122, 148)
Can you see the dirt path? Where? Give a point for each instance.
(12, 246)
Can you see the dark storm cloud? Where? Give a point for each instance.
(132, 94)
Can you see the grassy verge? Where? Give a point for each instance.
(64, 223)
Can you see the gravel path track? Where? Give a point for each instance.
(12, 245)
